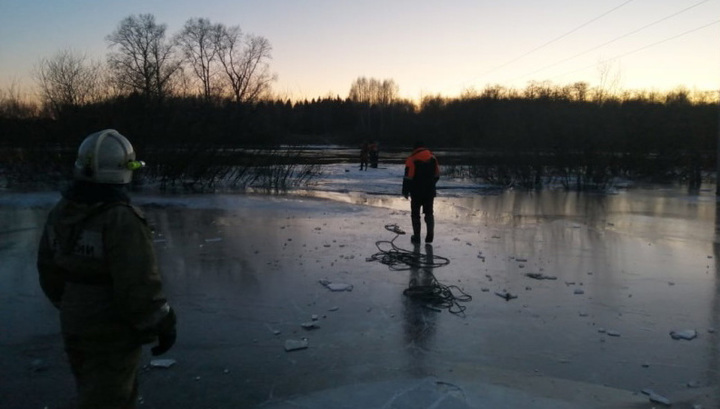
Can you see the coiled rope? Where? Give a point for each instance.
(434, 294)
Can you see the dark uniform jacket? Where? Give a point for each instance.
(421, 174)
(97, 265)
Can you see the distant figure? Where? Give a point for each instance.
(97, 265)
(421, 175)
(364, 155)
(374, 154)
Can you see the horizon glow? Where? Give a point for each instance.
(429, 48)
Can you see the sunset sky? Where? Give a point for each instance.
(427, 47)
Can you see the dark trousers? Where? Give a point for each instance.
(426, 204)
(105, 379)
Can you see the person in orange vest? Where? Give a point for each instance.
(374, 154)
(421, 175)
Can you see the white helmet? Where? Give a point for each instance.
(106, 157)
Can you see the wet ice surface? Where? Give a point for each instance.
(245, 272)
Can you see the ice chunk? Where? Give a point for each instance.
(336, 286)
(162, 363)
(295, 344)
(310, 325)
(687, 334)
(655, 398)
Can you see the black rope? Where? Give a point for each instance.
(399, 259)
(434, 294)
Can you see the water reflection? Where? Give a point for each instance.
(713, 370)
(635, 211)
(419, 322)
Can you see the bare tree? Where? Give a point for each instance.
(13, 104)
(68, 80)
(610, 79)
(373, 91)
(244, 59)
(199, 42)
(144, 59)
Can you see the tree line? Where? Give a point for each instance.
(509, 138)
(204, 95)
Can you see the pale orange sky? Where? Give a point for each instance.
(426, 47)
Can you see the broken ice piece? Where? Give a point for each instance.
(336, 286)
(613, 333)
(686, 334)
(162, 363)
(655, 398)
(334, 308)
(578, 291)
(213, 239)
(693, 384)
(295, 344)
(309, 325)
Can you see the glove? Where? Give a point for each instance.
(165, 341)
(166, 334)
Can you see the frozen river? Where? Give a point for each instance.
(623, 271)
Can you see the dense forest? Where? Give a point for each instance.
(200, 108)
(508, 138)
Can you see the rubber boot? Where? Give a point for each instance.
(416, 226)
(430, 223)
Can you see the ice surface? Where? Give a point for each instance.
(235, 295)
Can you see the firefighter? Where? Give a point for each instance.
(421, 175)
(97, 265)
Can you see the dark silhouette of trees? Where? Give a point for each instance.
(143, 60)
(244, 59)
(68, 80)
(372, 91)
(223, 116)
(199, 42)
(13, 105)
